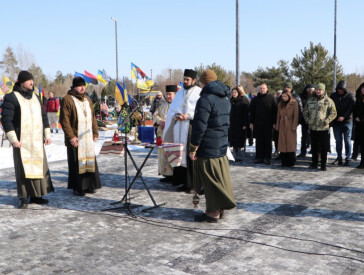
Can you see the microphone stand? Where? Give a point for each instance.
(126, 197)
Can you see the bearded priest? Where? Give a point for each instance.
(26, 125)
(80, 132)
(178, 127)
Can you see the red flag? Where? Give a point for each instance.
(93, 78)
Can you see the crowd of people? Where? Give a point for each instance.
(207, 120)
(210, 126)
(276, 118)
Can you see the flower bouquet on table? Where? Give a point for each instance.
(124, 112)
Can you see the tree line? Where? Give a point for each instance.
(312, 65)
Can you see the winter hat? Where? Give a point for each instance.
(309, 86)
(321, 86)
(190, 73)
(171, 88)
(24, 76)
(78, 81)
(208, 76)
(342, 86)
(288, 85)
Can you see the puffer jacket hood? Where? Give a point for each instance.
(216, 88)
(342, 86)
(211, 121)
(358, 91)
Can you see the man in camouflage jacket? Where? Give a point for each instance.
(318, 113)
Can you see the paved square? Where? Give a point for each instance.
(287, 221)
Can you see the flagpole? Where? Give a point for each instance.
(237, 70)
(116, 47)
(334, 80)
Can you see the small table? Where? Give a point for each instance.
(118, 148)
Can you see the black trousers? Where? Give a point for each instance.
(275, 139)
(263, 140)
(250, 136)
(288, 159)
(360, 130)
(305, 139)
(320, 143)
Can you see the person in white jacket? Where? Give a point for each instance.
(178, 127)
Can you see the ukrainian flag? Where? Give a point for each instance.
(100, 77)
(121, 94)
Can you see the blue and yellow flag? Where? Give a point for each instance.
(127, 97)
(100, 77)
(120, 94)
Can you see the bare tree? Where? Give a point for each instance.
(25, 59)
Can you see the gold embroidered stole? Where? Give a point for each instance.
(161, 113)
(31, 136)
(86, 151)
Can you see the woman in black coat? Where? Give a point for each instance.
(358, 116)
(239, 120)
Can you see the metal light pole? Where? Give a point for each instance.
(116, 47)
(334, 84)
(237, 44)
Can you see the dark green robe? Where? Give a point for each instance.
(214, 175)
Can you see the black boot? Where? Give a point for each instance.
(313, 166)
(166, 179)
(323, 164)
(39, 200)
(23, 203)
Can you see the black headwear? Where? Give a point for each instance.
(78, 81)
(171, 88)
(342, 86)
(190, 73)
(24, 76)
(309, 86)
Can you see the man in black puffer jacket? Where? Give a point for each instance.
(209, 143)
(343, 123)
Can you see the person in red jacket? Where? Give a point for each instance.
(52, 111)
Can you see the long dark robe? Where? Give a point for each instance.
(87, 182)
(214, 174)
(31, 187)
(184, 175)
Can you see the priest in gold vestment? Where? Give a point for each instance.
(159, 120)
(26, 125)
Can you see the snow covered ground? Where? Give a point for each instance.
(57, 151)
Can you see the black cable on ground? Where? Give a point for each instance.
(198, 231)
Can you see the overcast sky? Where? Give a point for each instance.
(158, 34)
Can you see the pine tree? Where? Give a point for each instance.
(226, 77)
(39, 76)
(315, 66)
(9, 64)
(274, 77)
